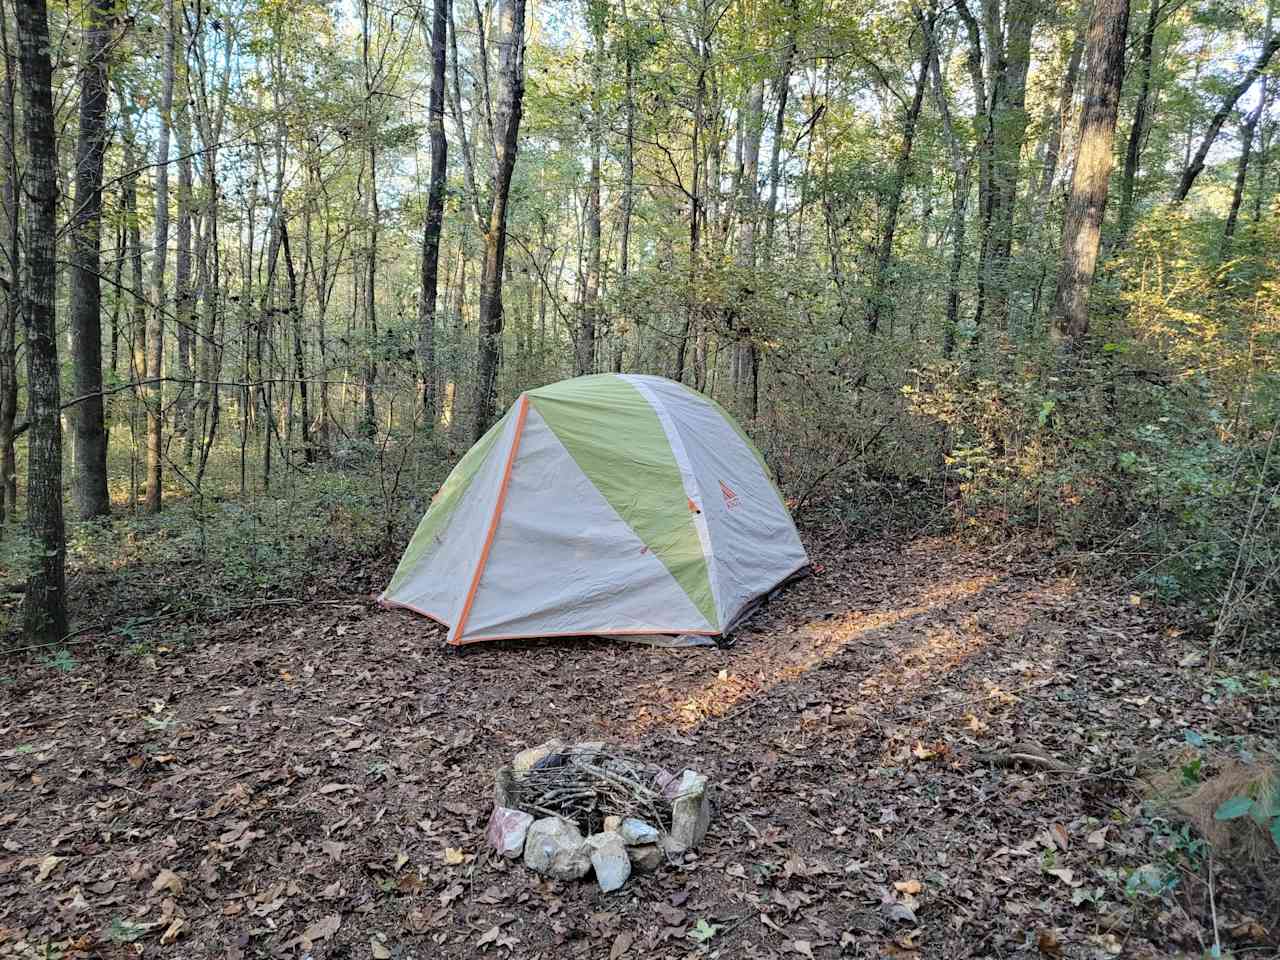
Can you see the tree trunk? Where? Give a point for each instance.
(1215, 125)
(884, 253)
(155, 321)
(1082, 231)
(12, 296)
(1141, 120)
(183, 294)
(1242, 171)
(368, 423)
(508, 37)
(45, 604)
(434, 222)
(628, 197)
(1059, 118)
(89, 432)
(584, 355)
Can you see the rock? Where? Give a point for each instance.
(612, 824)
(504, 786)
(634, 832)
(609, 858)
(525, 760)
(690, 809)
(507, 831)
(555, 848)
(646, 858)
(589, 747)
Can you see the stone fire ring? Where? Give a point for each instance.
(569, 810)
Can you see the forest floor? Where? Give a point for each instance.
(313, 778)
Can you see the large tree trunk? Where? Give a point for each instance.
(884, 252)
(1141, 120)
(1082, 231)
(155, 320)
(45, 606)
(1224, 110)
(89, 433)
(508, 37)
(434, 222)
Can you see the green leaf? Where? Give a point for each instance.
(1193, 738)
(1233, 808)
(703, 931)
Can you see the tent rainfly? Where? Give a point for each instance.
(613, 505)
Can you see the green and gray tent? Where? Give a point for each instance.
(613, 505)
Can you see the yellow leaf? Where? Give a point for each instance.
(908, 886)
(453, 856)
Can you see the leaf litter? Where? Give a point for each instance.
(921, 748)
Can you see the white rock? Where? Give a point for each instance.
(507, 831)
(635, 832)
(526, 759)
(610, 860)
(612, 824)
(690, 809)
(555, 848)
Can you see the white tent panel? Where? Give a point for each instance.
(564, 563)
(439, 584)
(754, 544)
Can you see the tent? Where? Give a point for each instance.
(613, 505)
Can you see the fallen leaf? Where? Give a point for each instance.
(899, 912)
(333, 849)
(378, 949)
(171, 932)
(1098, 838)
(908, 886)
(1050, 943)
(322, 929)
(1066, 875)
(453, 856)
(167, 880)
(803, 947)
(47, 866)
(489, 936)
(1059, 834)
(621, 944)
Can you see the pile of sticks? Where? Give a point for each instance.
(587, 787)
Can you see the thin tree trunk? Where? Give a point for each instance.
(584, 355)
(1082, 231)
(628, 199)
(434, 222)
(155, 324)
(508, 37)
(884, 253)
(89, 432)
(1060, 117)
(1141, 120)
(12, 296)
(1242, 171)
(45, 602)
(1224, 110)
(183, 294)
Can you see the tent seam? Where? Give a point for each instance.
(455, 639)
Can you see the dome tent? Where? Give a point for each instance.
(611, 505)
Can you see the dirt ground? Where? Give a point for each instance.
(924, 750)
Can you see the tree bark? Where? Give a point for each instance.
(1224, 110)
(508, 37)
(155, 321)
(1082, 231)
(1059, 117)
(1242, 171)
(12, 316)
(89, 432)
(45, 602)
(434, 221)
(1141, 120)
(584, 355)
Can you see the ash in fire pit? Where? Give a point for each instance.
(571, 809)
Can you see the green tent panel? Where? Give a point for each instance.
(611, 505)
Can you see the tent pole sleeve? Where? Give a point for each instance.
(455, 639)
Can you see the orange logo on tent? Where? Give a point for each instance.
(731, 500)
